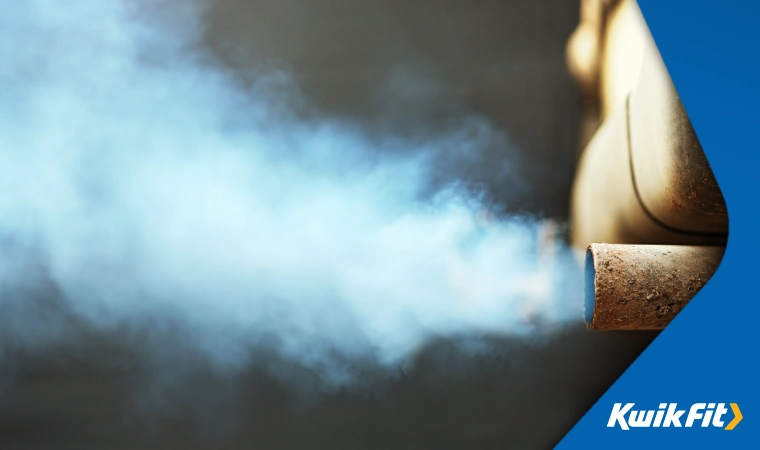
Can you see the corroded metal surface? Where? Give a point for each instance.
(643, 287)
(643, 177)
(673, 180)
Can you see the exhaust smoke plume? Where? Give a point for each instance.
(153, 189)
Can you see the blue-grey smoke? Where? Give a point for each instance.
(155, 187)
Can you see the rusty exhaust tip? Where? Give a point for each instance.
(643, 287)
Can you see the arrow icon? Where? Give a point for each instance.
(737, 417)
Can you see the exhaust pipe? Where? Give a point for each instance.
(643, 287)
(643, 183)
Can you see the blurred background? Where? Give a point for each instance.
(408, 68)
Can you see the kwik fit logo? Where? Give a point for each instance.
(668, 415)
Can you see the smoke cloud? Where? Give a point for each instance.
(152, 189)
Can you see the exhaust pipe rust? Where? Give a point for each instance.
(643, 287)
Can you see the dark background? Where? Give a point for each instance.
(402, 67)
